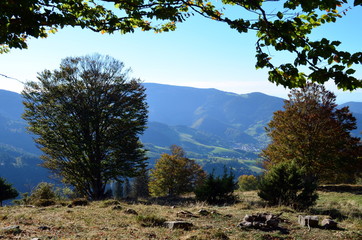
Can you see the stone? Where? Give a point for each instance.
(130, 211)
(245, 224)
(310, 221)
(185, 214)
(328, 223)
(117, 207)
(204, 212)
(248, 218)
(273, 223)
(260, 221)
(11, 230)
(44, 228)
(178, 225)
(215, 213)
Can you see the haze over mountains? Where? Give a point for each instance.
(216, 128)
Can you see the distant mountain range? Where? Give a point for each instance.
(214, 127)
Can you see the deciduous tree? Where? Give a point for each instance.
(313, 132)
(280, 25)
(6, 191)
(175, 174)
(88, 116)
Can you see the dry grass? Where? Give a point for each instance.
(102, 220)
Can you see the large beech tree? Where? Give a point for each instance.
(313, 132)
(282, 25)
(88, 116)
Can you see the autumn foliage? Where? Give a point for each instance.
(175, 174)
(313, 132)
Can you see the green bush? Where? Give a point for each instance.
(287, 184)
(247, 183)
(80, 202)
(43, 191)
(217, 190)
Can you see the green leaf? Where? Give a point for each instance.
(357, 2)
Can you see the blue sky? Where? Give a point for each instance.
(200, 53)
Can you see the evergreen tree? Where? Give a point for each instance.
(6, 191)
(217, 189)
(288, 184)
(313, 132)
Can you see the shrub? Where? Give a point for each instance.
(247, 183)
(216, 190)
(80, 202)
(110, 202)
(24, 200)
(287, 184)
(43, 191)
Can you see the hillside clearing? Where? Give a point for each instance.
(102, 220)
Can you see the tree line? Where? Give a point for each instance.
(88, 116)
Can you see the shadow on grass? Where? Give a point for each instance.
(333, 213)
(337, 214)
(341, 188)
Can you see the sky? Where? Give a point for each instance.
(200, 53)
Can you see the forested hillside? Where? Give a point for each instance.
(216, 128)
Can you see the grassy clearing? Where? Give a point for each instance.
(104, 220)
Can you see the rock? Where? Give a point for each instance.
(245, 224)
(310, 221)
(204, 212)
(328, 223)
(178, 225)
(130, 211)
(260, 221)
(215, 213)
(11, 230)
(248, 218)
(185, 214)
(117, 208)
(44, 228)
(273, 223)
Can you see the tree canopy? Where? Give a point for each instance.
(6, 191)
(314, 133)
(88, 116)
(287, 27)
(175, 174)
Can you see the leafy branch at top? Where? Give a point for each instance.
(286, 30)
